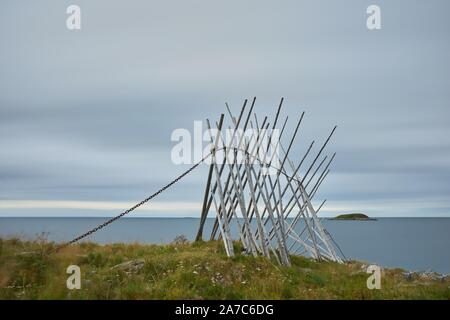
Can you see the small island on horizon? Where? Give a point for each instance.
(353, 216)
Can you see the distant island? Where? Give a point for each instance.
(353, 216)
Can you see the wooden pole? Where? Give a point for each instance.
(206, 196)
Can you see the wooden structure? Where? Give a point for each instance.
(260, 195)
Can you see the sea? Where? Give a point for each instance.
(415, 244)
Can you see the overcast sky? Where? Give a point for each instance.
(86, 116)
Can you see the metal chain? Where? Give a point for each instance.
(101, 226)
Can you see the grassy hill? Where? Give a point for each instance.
(29, 270)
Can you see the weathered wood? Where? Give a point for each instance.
(225, 157)
(272, 196)
(204, 212)
(226, 233)
(214, 230)
(282, 249)
(255, 205)
(311, 210)
(289, 148)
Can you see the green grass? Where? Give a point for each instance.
(32, 270)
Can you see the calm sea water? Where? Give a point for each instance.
(409, 243)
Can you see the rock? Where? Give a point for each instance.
(409, 276)
(424, 276)
(430, 275)
(445, 278)
(132, 266)
(180, 240)
(27, 253)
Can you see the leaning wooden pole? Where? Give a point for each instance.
(204, 213)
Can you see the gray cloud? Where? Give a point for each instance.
(88, 115)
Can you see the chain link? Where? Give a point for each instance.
(101, 226)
